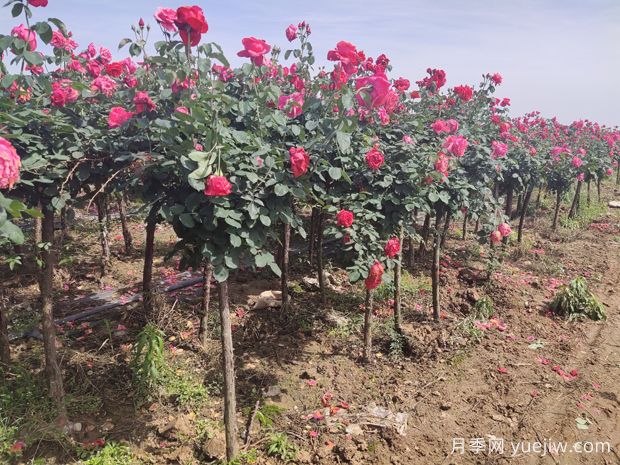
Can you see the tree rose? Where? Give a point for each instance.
(10, 163)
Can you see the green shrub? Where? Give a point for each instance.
(576, 301)
(148, 359)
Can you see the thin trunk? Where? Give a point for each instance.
(509, 196)
(312, 237)
(574, 208)
(477, 227)
(319, 257)
(540, 189)
(46, 276)
(286, 244)
(397, 275)
(589, 198)
(446, 228)
(517, 212)
(368, 325)
(465, 218)
(64, 225)
(556, 214)
(207, 274)
(122, 213)
(598, 189)
(526, 202)
(5, 348)
(410, 244)
(147, 272)
(37, 228)
(228, 361)
(103, 235)
(425, 233)
(106, 210)
(496, 190)
(435, 265)
(617, 175)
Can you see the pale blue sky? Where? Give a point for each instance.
(561, 57)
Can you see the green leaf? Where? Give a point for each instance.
(344, 140)
(12, 232)
(123, 42)
(17, 9)
(281, 190)
(187, 220)
(335, 173)
(265, 220)
(33, 58)
(235, 240)
(220, 273)
(275, 268)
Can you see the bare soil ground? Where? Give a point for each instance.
(520, 377)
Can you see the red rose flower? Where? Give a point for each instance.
(191, 23)
(291, 33)
(36, 3)
(143, 102)
(217, 186)
(392, 247)
(299, 161)
(344, 218)
(465, 93)
(118, 116)
(115, 69)
(254, 49)
(374, 159)
(166, 17)
(374, 276)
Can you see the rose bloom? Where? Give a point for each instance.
(348, 56)
(392, 247)
(465, 93)
(291, 33)
(374, 276)
(26, 35)
(374, 159)
(496, 79)
(293, 104)
(118, 116)
(504, 229)
(299, 161)
(105, 85)
(414, 94)
(105, 55)
(442, 165)
(495, 237)
(377, 95)
(581, 177)
(37, 3)
(254, 49)
(10, 163)
(143, 102)
(344, 218)
(456, 145)
(192, 24)
(115, 69)
(94, 68)
(402, 84)
(610, 171)
(166, 18)
(498, 149)
(182, 110)
(577, 162)
(217, 186)
(407, 139)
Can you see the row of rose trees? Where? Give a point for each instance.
(233, 159)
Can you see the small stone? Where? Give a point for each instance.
(273, 391)
(354, 429)
(77, 426)
(445, 406)
(614, 204)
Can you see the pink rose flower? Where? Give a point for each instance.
(495, 237)
(456, 145)
(37, 3)
(143, 102)
(118, 116)
(291, 33)
(392, 247)
(373, 90)
(26, 35)
(504, 229)
(166, 17)
(292, 104)
(344, 218)
(217, 186)
(374, 276)
(498, 149)
(10, 163)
